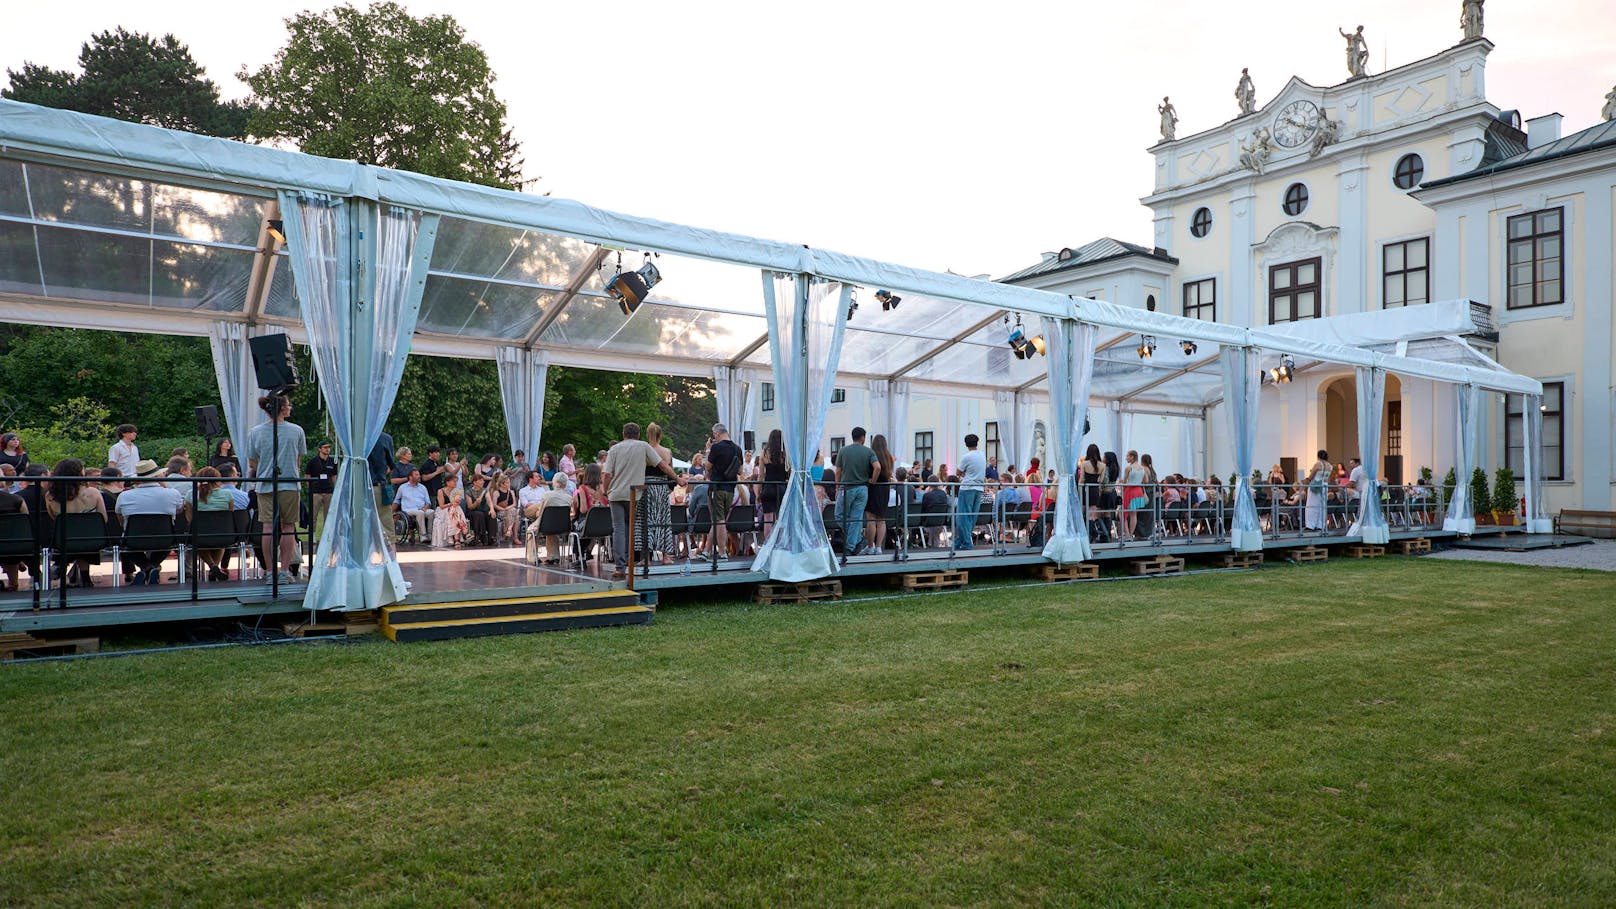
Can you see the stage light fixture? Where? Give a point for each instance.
(852, 305)
(889, 300)
(277, 230)
(630, 288)
(1025, 348)
(1189, 347)
(1147, 346)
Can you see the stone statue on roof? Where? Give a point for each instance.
(1246, 93)
(1169, 120)
(1609, 110)
(1470, 19)
(1254, 155)
(1357, 52)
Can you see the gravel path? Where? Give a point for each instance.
(1599, 555)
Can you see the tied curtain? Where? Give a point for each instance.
(238, 381)
(522, 374)
(1532, 463)
(1242, 390)
(1071, 365)
(1006, 407)
(359, 268)
(1461, 516)
(1371, 524)
(807, 320)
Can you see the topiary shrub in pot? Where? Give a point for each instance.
(1504, 497)
(1480, 498)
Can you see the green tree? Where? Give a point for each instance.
(133, 76)
(382, 87)
(588, 407)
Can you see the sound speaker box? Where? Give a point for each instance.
(273, 363)
(207, 422)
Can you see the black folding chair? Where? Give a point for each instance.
(17, 546)
(742, 520)
(597, 526)
(700, 525)
(212, 530)
(147, 541)
(556, 521)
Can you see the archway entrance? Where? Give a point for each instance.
(1340, 418)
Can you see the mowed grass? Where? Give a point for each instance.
(1394, 733)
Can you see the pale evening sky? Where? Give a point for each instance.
(942, 135)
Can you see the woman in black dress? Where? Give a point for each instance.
(880, 488)
(224, 453)
(776, 473)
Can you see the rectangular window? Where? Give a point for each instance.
(1201, 300)
(836, 443)
(1535, 271)
(990, 444)
(767, 397)
(923, 452)
(1406, 273)
(1293, 291)
(838, 396)
(1551, 447)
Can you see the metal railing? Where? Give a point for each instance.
(50, 553)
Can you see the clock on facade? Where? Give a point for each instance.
(1296, 123)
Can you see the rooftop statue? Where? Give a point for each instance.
(1357, 52)
(1470, 19)
(1169, 120)
(1609, 110)
(1246, 93)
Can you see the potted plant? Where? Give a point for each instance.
(1449, 484)
(1504, 499)
(1480, 498)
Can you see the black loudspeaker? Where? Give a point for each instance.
(273, 363)
(207, 422)
(750, 438)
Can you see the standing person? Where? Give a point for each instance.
(652, 510)
(1133, 493)
(623, 471)
(1355, 488)
(223, 453)
(123, 454)
(265, 460)
(973, 473)
(875, 509)
(776, 473)
(854, 465)
(1091, 471)
(723, 469)
(1318, 486)
(12, 455)
(432, 472)
(382, 468)
(322, 473)
(568, 465)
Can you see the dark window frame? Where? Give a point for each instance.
(1296, 199)
(991, 443)
(1533, 242)
(766, 397)
(1387, 272)
(1205, 292)
(1515, 434)
(1201, 226)
(924, 447)
(838, 396)
(1295, 289)
(837, 443)
(1408, 171)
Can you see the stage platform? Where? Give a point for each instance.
(448, 576)
(1520, 542)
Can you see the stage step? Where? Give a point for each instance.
(479, 618)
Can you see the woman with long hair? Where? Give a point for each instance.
(1134, 477)
(479, 507)
(449, 526)
(73, 496)
(1318, 483)
(505, 513)
(588, 495)
(11, 453)
(776, 473)
(224, 452)
(880, 490)
(652, 511)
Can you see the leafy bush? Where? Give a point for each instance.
(1449, 483)
(1504, 497)
(1480, 498)
(46, 446)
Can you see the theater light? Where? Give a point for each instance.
(630, 288)
(277, 230)
(889, 300)
(1189, 347)
(1147, 346)
(1025, 348)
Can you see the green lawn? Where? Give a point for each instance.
(1400, 732)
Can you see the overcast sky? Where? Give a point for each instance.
(962, 136)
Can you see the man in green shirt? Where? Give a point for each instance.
(854, 464)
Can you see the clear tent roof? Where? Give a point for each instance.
(103, 223)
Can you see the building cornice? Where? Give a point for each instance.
(1545, 171)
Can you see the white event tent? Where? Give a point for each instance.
(113, 225)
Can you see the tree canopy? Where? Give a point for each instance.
(382, 87)
(133, 76)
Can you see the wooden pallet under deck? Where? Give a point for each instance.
(1079, 571)
(772, 593)
(1310, 554)
(1412, 547)
(932, 580)
(1156, 565)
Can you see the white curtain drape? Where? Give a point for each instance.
(748, 418)
(900, 440)
(878, 410)
(1532, 464)
(1242, 391)
(1071, 365)
(1004, 410)
(359, 268)
(522, 377)
(1026, 429)
(807, 320)
(1461, 516)
(724, 389)
(238, 383)
(1371, 524)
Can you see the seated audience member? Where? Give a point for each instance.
(73, 496)
(935, 500)
(179, 466)
(11, 503)
(213, 496)
(553, 497)
(413, 503)
(505, 513)
(8, 478)
(230, 482)
(146, 496)
(531, 497)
